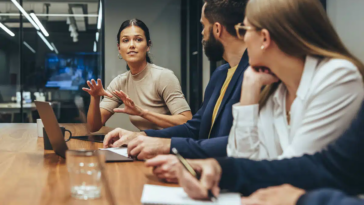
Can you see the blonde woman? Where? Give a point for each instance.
(313, 85)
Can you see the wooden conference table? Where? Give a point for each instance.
(30, 175)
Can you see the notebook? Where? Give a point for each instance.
(153, 194)
(120, 150)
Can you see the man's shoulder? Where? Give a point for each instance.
(219, 70)
(223, 67)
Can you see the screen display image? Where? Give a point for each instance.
(70, 72)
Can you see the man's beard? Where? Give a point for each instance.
(214, 50)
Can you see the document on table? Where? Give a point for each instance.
(120, 150)
(153, 194)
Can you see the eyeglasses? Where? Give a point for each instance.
(241, 30)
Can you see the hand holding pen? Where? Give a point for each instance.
(199, 178)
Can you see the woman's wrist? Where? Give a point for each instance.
(95, 98)
(251, 81)
(250, 92)
(143, 113)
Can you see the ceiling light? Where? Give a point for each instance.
(95, 47)
(55, 49)
(97, 36)
(54, 15)
(28, 46)
(45, 41)
(17, 25)
(7, 30)
(74, 34)
(25, 14)
(79, 21)
(100, 17)
(40, 25)
(71, 28)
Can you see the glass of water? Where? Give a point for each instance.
(84, 168)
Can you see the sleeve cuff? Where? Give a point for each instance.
(181, 110)
(301, 200)
(108, 109)
(180, 144)
(151, 133)
(246, 114)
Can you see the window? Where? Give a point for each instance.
(48, 50)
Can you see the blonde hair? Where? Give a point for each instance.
(299, 28)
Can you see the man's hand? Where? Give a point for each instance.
(164, 167)
(210, 171)
(143, 147)
(279, 195)
(119, 137)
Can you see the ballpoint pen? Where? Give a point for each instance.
(184, 162)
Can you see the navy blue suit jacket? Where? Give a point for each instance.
(328, 197)
(340, 166)
(191, 138)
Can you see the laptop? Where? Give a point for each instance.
(57, 139)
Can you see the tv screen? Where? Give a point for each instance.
(71, 71)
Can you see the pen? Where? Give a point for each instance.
(192, 172)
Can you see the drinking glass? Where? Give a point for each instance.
(84, 168)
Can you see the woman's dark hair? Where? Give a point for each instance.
(140, 24)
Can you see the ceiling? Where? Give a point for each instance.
(71, 24)
(57, 10)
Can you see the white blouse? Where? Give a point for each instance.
(328, 98)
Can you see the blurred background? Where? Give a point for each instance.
(49, 49)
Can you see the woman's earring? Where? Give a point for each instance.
(262, 47)
(119, 56)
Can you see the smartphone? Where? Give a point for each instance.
(96, 138)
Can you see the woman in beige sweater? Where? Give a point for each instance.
(152, 95)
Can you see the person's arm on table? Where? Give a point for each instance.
(328, 197)
(200, 149)
(144, 147)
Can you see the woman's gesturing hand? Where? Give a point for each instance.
(96, 89)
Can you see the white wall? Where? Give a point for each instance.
(163, 20)
(205, 72)
(347, 17)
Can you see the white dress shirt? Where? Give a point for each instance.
(328, 98)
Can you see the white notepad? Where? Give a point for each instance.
(153, 194)
(121, 150)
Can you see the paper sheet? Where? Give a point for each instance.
(153, 194)
(122, 150)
